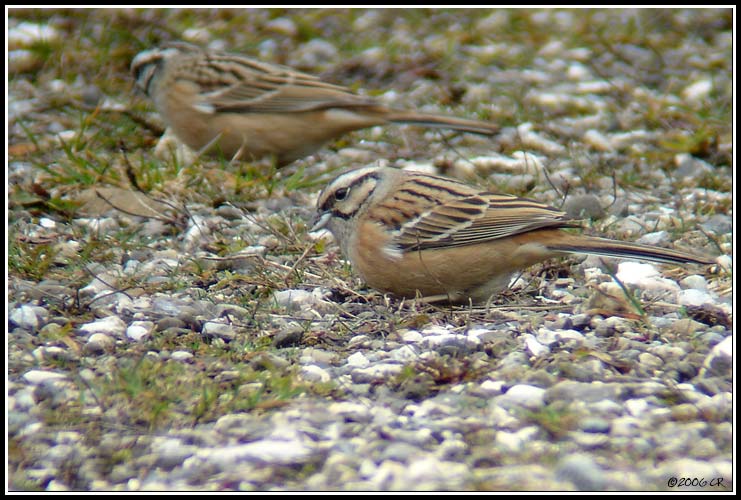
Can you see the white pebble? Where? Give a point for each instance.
(112, 325)
(379, 371)
(412, 336)
(180, 355)
(656, 238)
(723, 350)
(26, 33)
(358, 360)
(283, 26)
(537, 141)
(297, 299)
(598, 141)
(724, 347)
(534, 347)
(694, 281)
(98, 225)
(698, 91)
(218, 329)
(404, 354)
(693, 297)
(47, 223)
(20, 61)
(578, 71)
(492, 387)
(477, 332)
(139, 329)
(40, 376)
(516, 441)
(636, 407)
(197, 234)
(25, 317)
(438, 330)
(524, 395)
(725, 262)
(197, 35)
(645, 277)
(100, 341)
(549, 337)
(314, 373)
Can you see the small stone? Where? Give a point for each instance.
(595, 424)
(412, 336)
(690, 168)
(598, 141)
(299, 299)
(111, 325)
(698, 91)
(169, 322)
(313, 373)
(588, 392)
(288, 337)
(267, 451)
(720, 360)
(139, 329)
(180, 356)
(650, 361)
(268, 361)
(171, 452)
(585, 206)
(516, 441)
(37, 377)
(657, 238)
(99, 343)
(375, 373)
(703, 448)
(718, 224)
(25, 317)
(534, 347)
(358, 360)
(686, 327)
(218, 330)
(282, 26)
(582, 472)
(685, 412)
(636, 407)
(492, 387)
(694, 281)
(693, 297)
(527, 396)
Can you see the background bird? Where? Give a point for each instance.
(247, 109)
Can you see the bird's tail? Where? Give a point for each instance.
(623, 249)
(442, 121)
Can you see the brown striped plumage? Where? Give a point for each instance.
(247, 109)
(410, 234)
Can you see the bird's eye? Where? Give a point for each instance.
(341, 194)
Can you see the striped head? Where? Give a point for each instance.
(147, 66)
(345, 198)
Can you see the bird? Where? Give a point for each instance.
(246, 109)
(416, 235)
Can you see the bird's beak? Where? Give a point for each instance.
(320, 221)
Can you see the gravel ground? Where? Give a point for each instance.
(172, 326)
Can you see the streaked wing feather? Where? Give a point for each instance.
(238, 84)
(467, 221)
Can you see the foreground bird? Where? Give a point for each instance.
(412, 234)
(246, 109)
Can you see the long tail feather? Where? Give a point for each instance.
(611, 248)
(442, 121)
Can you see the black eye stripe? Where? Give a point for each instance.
(336, 201)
